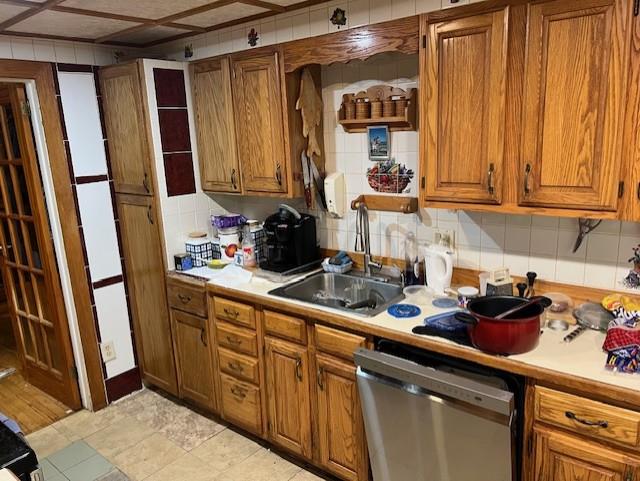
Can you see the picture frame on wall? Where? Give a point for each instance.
(379, 142)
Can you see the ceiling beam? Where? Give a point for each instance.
(266, 5)
(29, 13)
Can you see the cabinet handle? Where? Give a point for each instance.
(638, 191)
(203, 337)
(233, 179)
(185, 299)
(586, 422)
(235, 366)
(145, 183)
(299, 369)
(319, 375)
(490, 186)
(231, 313)
(279, 175)
(527, 172)
(239, 392)
(149, 216)
(234, 340)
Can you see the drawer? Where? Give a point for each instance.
(238, 365)
(237, 339)
(287, 327)
(234, 312)
(187, 296)
(589, 418)
(338, 343)
(241, 403)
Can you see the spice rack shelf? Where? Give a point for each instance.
(372, 101)
(404, 205)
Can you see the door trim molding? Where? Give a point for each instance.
(41, 74)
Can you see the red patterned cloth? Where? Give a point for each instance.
(621, 337)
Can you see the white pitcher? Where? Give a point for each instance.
(438, 266)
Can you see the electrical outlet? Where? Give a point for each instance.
(445, 237)
(108, 351)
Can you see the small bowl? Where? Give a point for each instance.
(557, 324)
(417, 294)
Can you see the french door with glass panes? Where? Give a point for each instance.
(29, 266)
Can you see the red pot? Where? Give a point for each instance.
(514, 335)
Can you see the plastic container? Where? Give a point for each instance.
(229, 243)
(200, 250)
(248, 249)
(336, 269)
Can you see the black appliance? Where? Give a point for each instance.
(17, 456)
(291, 241)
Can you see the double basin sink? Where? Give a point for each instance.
(345, 292)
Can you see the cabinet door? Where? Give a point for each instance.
(560, 457)
(193, 357)
(574, 100)
(465, 65)
(341, 438)
(259, 125)
(143, 254)
(213, 106)
(287, 369)
(126, 123)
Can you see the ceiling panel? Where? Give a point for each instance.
(285, 3)
(222, 15)
(149, 35)
(10, 11)
(69, 25)
(153, 9)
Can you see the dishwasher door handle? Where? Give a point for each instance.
(415, 379)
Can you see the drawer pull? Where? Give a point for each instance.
(234, 340)
(239, 392)
(235, 366)
(299, 369)
(185, 299)
(231, 313)
(586, 422)
(320, 374)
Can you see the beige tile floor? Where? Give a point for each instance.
(148, 437)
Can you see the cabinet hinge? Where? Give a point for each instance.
(636, 8)
(424, 39)
(422, 182)
(620, 189)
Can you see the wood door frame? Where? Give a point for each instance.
(42, 74)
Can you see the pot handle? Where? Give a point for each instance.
(466, 318)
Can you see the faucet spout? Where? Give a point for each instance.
(363, 240)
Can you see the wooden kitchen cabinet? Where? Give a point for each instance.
(287, 374)
(193, 358)
(463, 82)
(575, 92)
(259, 122)
(215, 127)
(146, 283)
(560, 457)
(126, 123)
(342, 446)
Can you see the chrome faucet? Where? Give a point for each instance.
(363, 242)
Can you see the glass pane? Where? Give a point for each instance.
(8, 186)
(42, 356)
(17, 290)
(48, 312)
(54, 349)
(21, 252)
(26, 334)
(8, 248)
(13, 133)
(33, 242)
(21, 187)
(30, 295)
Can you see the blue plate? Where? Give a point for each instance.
(445, 302)
(404, 310)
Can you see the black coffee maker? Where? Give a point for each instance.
(291, 240)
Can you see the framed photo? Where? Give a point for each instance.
(379, 143)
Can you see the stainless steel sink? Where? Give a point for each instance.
(350, 293)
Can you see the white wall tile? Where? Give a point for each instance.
(544, 241)
(331, 7)
(318, 21)
(103, 56)
(380, 11)
(284, 29)
(84, 54)
(82, 119)
(424, 6)
(600, 275)
(570, 271)
(113, 321)
(22, 49)
(44, 51)
(300, 26)
(5, 48)
(65, 52)
(518, 239)
(359, 13)
(268, 32)
(602, 247)
(96, 215)
(403, 8)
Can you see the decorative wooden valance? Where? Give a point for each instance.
(360, 43)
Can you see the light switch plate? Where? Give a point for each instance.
(108, 351)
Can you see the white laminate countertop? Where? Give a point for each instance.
(581, 358)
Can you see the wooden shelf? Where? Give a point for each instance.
(382, 92)
(387, 203)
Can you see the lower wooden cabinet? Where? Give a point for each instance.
(241, 404)
(287, 374)
(193, 358)
(561, 457)
(342, 447)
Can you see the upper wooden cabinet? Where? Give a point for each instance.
(259, 123)
(126, 124)
(575, 82)
(215, 128)
(464, 98)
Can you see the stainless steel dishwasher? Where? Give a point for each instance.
(432, 418)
